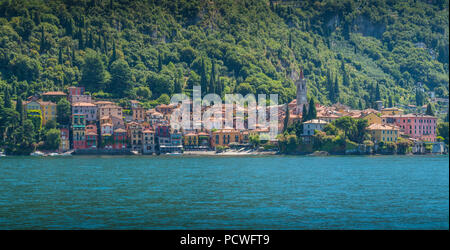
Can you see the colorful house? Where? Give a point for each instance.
(138, 114)
(79, 131)
(76, 91)
(223, 137)
(53, 96)
(417, 126)
(163, 134)
(134, 134)
(383, 132)
(372, 118)
(91, 136)
(48, 110)
(149, 143)
(65, 143)
(109, 110)
(32, 105)
(80, 98)
(194, 140)
(120, 138)
(391, 111)
(312, 125)
(86, 108)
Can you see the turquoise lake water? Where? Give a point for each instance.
(261, 192)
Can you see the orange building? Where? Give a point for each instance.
(223, 137)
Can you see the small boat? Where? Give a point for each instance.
(68, 153)
(2, 154)
(53, 154)
(175, 153)
(37, 153)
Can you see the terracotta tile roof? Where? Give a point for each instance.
(120, 130)
(316, 121)
(382, 127)
(83, 104)
(54, 93)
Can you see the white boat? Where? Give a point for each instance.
(173, 154)
(37, 153)
(68, 153)
(2, 154)
(53, 154)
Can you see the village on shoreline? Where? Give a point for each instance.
(102, 127)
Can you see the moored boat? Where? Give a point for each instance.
(37, 153)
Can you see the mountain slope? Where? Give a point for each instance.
(352, 52)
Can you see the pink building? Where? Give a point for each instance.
(422, 127)
(89, 109)
(80, 98)
(76, 91)
(107, 129)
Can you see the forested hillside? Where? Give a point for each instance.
(351, 51)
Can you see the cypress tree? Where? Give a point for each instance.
(73, 53)
(178, 87)
(105, 45)
(19, 109)
(377, 93)
(429, 110)
(80, 39)
(7, 98)
(98, 44)
(60, 56)
(203, 79)
(312, 112)
(42, 48)
(212, 80)
(286, 118)
(159, 62)
(114, 53)
(304, 114)
(336, 89)
(390, 102)
(290, 40)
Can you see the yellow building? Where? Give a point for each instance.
(223, 137)
(383, 132)
(190, 139)
(48, 110)
(32, 105)
(391, 111)
(373, 118)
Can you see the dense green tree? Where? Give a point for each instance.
(429, 110)
(52, 139)
(94, 76)
(50, 124)
(63, 111)
(121, 82)
(443, 131)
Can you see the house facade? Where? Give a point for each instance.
(310, 126)
(383, 132)
(88, 109)
(78, 131)
(422, 127)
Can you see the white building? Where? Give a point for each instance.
(314, 124)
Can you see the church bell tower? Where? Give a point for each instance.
(301, 92)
